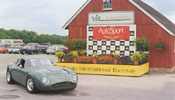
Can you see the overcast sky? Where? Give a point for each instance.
(48, 16)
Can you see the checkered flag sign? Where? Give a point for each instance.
(111, 39)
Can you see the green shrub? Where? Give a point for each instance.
(144, 57)
(104, 60)
(142, 44)
(115, 55)
(59, 54)
(137, 56)
(78, 45)
(82, 52)
(160, 45)
(74, 54)
(95, 55)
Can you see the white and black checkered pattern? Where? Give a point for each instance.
(122, 47)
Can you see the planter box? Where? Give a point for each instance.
(107, 69)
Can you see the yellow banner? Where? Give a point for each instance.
(107, 69)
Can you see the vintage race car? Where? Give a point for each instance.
(38, 73)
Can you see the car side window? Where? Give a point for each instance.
(18, 62)
(22, 62)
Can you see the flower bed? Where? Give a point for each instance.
(107, 69)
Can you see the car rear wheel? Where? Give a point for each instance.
(9, 78)
(30, 85)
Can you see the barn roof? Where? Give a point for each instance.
(157, 17)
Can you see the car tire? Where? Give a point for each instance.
(30, 85)
(9, 77)
(23, 52)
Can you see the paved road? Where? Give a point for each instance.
(95, 87)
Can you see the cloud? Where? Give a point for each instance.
(44, 17)
(166, 7)
(48, 16)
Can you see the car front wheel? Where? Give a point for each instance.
(30, 85)
(9, 78)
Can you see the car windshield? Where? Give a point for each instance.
(26, 47)
(38, 62)
(52, 47)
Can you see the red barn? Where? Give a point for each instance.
(149, 23)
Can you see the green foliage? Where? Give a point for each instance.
(142, 44)
(144, 57)
(124, 60)
(67, 58)
(137, 56)
(30, 36)
(160, 45)
(59, 54)
(95, 55)
(104, 60)
(82, 52)
(115, 55)
(78, 45)
(74, 54)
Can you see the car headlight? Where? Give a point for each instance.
(45, 80)
(74, 77)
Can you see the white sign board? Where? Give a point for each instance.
(111, 18)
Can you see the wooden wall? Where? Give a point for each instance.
(145, 28)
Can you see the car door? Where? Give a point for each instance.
(23, 72)
(15, 71)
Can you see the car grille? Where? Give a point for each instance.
(61, 85)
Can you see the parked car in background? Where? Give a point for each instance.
(33, 44)
(3, 50)
(15, 49)
(54, 49)
(29, 50)
(43, 47)
(38, 73)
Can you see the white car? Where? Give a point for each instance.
(15, 49)
(54, 49)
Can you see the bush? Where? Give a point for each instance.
(82, 52)
(115, 55)
(78, 45)
(74, 54)
(160, 45)
(95, 55)
(59, 54)
(142, 44)
(137, 56)
(124, 60)
(67, 58)
(144, 57)
(104, 60)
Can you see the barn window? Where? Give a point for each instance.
(107, 4)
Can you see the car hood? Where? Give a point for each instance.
(55, 74)
(50, 70)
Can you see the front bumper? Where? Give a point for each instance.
(58, 86)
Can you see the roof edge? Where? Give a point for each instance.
(75, 15)
(150, 16)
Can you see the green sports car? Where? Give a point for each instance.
(38, 73)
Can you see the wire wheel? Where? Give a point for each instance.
(9, 78)
(30, 85)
